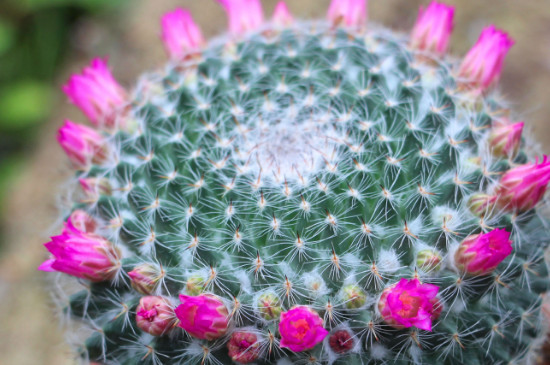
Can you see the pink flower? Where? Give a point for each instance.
(84, 255)
(243, 347)
(82, 221)
(155, 315)
(144, 278)
(180, 34)
(93, 187)
(483, 64)
(281, 15)
(522, 187)
(480, 254)
(96, 93)
(350, 13)
(244, 15)
(410, 303)
(433, 28)
(82, 144)
(301, 329)
(505, 139)
(204, 316)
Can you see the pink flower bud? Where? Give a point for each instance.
(144, 278)
(243, 347)
(433, 28)
(480, 254)
(505, 139)
(96, 93)
(82, 144)
(410, 303)
(281, 15)
(84, 255)
(155, 315)
(349, 13)
(483, 64)
(244, 15)
(341, 341)
(180, 34)
(522, 187)
(94, 187)
(204, 316)
(82, 221)
(301, 329)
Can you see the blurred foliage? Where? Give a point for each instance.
(34, 39)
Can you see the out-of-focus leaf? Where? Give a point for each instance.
(7, 35)
(9, 169)
(24, 103)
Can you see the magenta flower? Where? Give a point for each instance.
(155, 315)
(301, 329)
(410, 303)
(204, 316)
(80, 254)
(244, 15)
(522, 187)
(180, 34)
(82, 221)
(483, 64)
(243, 347)
(350, 13)
(281, 15)
(480, 254)
(433, 28)
(144, 278)
(96, 93)
(505, 139)
(82, 144)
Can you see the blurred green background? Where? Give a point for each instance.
(43, 41)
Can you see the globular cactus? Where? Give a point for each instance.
(303, 192)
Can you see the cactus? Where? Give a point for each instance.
(308, 192)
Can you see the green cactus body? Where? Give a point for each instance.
(301, 167)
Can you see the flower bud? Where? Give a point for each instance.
(281, 15)
(480, 254)
(301, 329)
(205, 316)
(522, 187)
(82, 221)
(244, 15)
(81, 254)
(433, 28)
(354, 297)
(94, 187)
(194, 285)
(269, 306)
(483, 64)
(428, 261)
(349, 13)
(96, 93)
(480, 204)
(505, 140)
(341, 341)
(155, 315)
(410, 303)
(82, 144)
(144, 278)
(180, 34)
(243, 347)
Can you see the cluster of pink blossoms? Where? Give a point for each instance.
(80, 252)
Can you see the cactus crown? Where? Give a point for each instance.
(301, 172)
